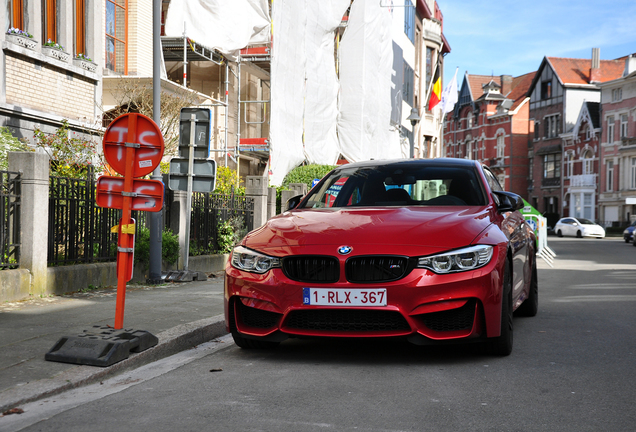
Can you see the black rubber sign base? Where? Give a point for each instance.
(102, 346)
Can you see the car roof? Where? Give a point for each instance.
(439, 162)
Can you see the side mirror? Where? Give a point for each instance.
(508, 201)
(293, 202)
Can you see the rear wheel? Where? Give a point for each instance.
(530, 306)
(559, 233)
(502, 345)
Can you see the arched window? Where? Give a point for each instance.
(587, 160)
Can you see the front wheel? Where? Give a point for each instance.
(578, 234)
(502, 345)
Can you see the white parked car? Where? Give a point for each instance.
(578, 227)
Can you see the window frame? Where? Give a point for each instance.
(610, 129)
(609, 176)
(555, 160)
(79, 27)
(108, 62)
(409, 20)
(624, 125)
(16, 17)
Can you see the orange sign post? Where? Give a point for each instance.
(133, 146)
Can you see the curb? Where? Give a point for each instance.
(171, 341)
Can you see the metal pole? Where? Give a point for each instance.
(155, 219)
(193, 119)
(227, 105)
(185, 55)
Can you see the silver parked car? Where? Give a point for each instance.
(578, 227)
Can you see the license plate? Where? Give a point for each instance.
(344, 297)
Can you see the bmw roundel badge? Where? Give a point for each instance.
(344, 250)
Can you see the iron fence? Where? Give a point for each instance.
(10, 195)
(80, 231)
(208, 211)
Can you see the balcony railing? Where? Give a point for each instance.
(583, 180)
(551, 182)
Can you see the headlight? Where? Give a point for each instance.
(251, 261)
(460, 260)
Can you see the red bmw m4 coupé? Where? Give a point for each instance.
(429, 250)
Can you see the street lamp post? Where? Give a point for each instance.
(414, 118)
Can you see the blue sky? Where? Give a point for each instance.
(511, 38)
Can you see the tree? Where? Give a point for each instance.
(134, 96)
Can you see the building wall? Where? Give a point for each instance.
(40, 86)
(612, 202)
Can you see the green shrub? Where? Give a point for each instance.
(226, 178)
(169, 247)
(306, 174)
(8, 143)
(229, 233)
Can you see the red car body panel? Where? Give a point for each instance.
(400, 231)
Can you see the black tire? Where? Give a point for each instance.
(578, 234)
(502, 344)
(246, 343)
(559, 233)
(530, 306)
(626, 240)
(634, 241)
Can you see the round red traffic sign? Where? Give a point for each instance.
(138, 132)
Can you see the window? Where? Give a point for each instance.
(469, 150)
(429, 66)
(624, 118)
(609, 178)
(568, 164)
(116, 35)
(546, 90)
(610, 129)
(552, 166)
(470, 119)
(536, 130)
(588, 160)
(632, 173)
(552, 126)
(15, 14)
(500, 146)
(49, 21)
(407, 84)
(617, 95)
(409, 20)
(80, 27)
(493, 182)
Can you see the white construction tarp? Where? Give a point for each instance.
(365, 79)
(304, 84)
(225, 25)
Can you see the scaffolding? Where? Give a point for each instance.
(252, 60)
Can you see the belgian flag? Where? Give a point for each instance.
(436, 93)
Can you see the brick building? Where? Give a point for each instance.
(42, 85)
(490, 123)
(617, 186)
(557, 94)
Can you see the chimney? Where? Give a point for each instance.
(630, 65)
(595, 70)
(506, 84)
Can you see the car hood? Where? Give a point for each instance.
(396, 230)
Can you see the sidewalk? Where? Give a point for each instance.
(180, 315)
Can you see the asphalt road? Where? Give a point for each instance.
(573, 368)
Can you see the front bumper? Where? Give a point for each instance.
(422, 306)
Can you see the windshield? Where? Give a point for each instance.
(399, 185)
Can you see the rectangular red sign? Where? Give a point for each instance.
(147, 195)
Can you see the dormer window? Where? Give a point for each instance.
(492, 87)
